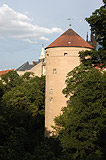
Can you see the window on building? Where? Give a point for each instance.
(54, 71)
(51, 100)
(65, 54)
(51, 91)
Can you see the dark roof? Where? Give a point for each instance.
(25, 66)
(70, 39)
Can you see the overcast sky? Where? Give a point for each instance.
(27, 24)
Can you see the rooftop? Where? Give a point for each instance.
(70, 39)
(25, 66)
(5, 71)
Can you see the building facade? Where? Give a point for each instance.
(38, 68)
(61, 57)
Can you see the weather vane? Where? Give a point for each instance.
(69, 19)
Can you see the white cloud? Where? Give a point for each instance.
(19, 26)
(44, 39)
(56, 30)
(29, 41)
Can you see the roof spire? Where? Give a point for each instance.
(42, 56)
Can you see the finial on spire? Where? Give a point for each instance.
(69, 19)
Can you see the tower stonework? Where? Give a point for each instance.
(61, 58)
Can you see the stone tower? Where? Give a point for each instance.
(61, 57)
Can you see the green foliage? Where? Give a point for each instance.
(93, 58)
(21, 115)
(28, 75)
(10, 80)
(82, 126)
(104, 1)
(97, 22)
(27, 97)
(74, 79)
(1, 89)
(19, 133)
(22, 119)
(14, 147)
(49, 149)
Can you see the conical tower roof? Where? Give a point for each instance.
(70, 39)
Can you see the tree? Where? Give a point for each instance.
(1, 89)
(28, 75)
(11, 79)
(81, 127)
(93, 58)
(27, 96)
(22, 121)
(21, 116)
(97, 22)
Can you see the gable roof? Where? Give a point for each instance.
(70, 39)
(24, 67)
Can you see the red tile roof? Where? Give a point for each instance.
(5, 71)
(99, 67)
(70, 39)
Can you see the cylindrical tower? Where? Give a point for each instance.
(61, 57)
